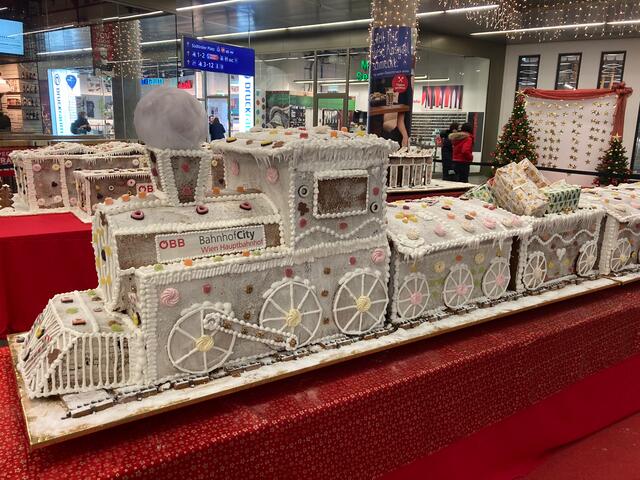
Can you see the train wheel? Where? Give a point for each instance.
(361, 302)
(191, 349)
(587, 258)
(458, 286)
(621, 254)
(535, 271)
(496, 279)
(412, 297)
(292, 306)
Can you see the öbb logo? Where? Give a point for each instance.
(177, 243)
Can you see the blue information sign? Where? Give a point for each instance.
(218, 57)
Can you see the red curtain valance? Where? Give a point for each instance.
(619, 89)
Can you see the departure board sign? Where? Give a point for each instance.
(218, 57)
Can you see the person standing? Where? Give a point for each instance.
(81, 125)
(462, 143)
(447, 152)
(216, 129)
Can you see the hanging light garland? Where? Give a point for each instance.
(548, 20)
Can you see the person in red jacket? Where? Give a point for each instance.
(462, 142)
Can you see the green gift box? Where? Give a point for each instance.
(481, 192)
(562, 196)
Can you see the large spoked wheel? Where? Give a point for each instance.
(535, 271)
(621, 254)
(458, 287)
(587, 258)
(293, 307)
(496, 279)
(413, 297)
(191, 349)
(360, 302)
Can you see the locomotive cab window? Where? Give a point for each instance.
(341, 194)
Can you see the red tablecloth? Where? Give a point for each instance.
(365, 417)
(41, 255)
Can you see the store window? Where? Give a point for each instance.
(611, 69)
(527, 75)
(568, 71)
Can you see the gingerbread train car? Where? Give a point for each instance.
(449, 254)
(293, 253)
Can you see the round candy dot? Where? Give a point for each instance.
(185, 167)
(68, 164)
(206, 288)
(246, 206)
(246, 253)
(126, 197)
(137, 215)
(135, 162)
(343, 225)
(240, 189)
(36, 167)
(376, 190)
(202, 209)
(187, 262)
(215, 191)
(142, 194)
(352, 260)
(158, 267)
(302, 222)
(288, 272)
(217, 258)
(108, 201)
(55, 167)
(131, 182)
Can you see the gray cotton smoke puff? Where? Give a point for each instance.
(170, 118)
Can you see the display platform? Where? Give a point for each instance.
(393, 407)
(43, 416)
(51, 251)
(436, 187)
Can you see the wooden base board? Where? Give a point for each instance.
(46, 425)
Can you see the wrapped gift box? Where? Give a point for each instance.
(533, 173)
(481, 192)
(562, 197)
(514, 190)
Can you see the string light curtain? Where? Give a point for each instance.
(584, 19)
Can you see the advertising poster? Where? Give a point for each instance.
(245, 107)
(64, 87)
(442, 96)
(391, 83)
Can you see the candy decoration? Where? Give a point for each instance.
(142, 195)
(170, 297)
(78, 321)
(41, 202)
(55, 167)
(126, 197)
(68, 164)
(202, 209)
(288, 272)
(66, 300)
(378, 256)
(489, 223)
(158, 267)
(439, 267)
(376, 190)
(439, 230)
(185, 167)
(36, 167)
(304, 135)
(266, 143)
(131, 182)
(186, 191)
(343, 225)
(352, 260)
(187, 262)
(135, 162)
(302, 222)
(206, 288)
(137, 215)
(246, 206)
(231, 139)
(272, 175)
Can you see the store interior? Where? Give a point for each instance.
(319, 238)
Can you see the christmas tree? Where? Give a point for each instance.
(614, 165)
(516, 141)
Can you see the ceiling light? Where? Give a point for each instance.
(623, 22)
(472, 9)
(128, 17)
(42, 31)
(430, 14)
(160, 42)
(71, 50)
(207, 5)
(539, 29)
(3, 8)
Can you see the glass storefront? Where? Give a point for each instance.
(107, 66)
